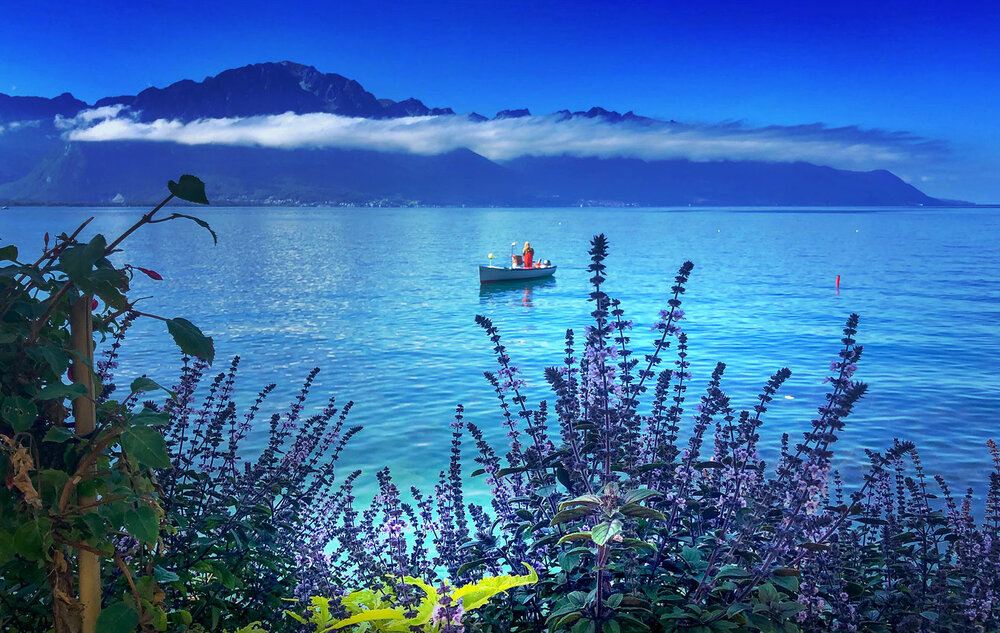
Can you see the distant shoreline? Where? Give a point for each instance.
(232, 205)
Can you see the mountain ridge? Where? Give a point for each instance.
(39, 166)
(261, 89)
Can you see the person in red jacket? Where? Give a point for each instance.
(529, 255)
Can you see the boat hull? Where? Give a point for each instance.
(495, 274)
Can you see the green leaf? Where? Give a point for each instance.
(95, 523)
(189, 188)
(78, 261)
(107, 283)
(60, 391)
(704, 465)
(198, 221)
(640, 494)
(472, 564)
(635, 543)
(787, 571)
(582, 500)
(51, 482)
(571, 514)
(58, 434)
(52, 356)
(296, 616)
(732, 571)
(869, 521)
(30, 271)
(563, 476)
(503, 472)
(767, 592)
(477, 594)
(221, 571)
(585, 626)
(191, 340)
(641, 512)
(8, 253)
(148, 417)
(789, 608)
(761, 622)
(370, 616)
(19, 413)
(32, 538)
(146, 384)
(143, 524)
(164, 576)
(115, 513)
(119, 617)
(574, 536)
(691, 555)
(788, 583)
(147, 445)
(604, 532)
(814, 547)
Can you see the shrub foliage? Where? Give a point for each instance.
(69, 490)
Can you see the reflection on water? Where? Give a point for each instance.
(515, 293)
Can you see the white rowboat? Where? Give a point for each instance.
(494, 274)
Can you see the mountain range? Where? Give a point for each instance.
(39, 165)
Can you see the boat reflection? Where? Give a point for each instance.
(514, 292)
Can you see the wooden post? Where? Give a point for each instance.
(81, 323)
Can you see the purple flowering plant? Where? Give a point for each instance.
(233, 549)
(637, 523)
(665, 517)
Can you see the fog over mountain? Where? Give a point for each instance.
(287, 133)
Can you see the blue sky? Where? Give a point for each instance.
(929, 69)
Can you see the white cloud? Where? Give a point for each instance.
(503, 139)
(16, 125)
(87, 118)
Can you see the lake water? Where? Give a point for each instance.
(383, 302)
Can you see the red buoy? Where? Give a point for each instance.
(838, 282)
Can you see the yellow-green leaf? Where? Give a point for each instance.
(369, 616)
(477, 594)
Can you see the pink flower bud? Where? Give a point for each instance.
(152, 274)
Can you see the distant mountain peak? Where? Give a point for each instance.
(266, 88)
(610, 116)
(34, 108)
(513, 114)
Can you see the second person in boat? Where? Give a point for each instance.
(529, 255)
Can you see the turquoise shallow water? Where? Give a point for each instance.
(383, 301)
